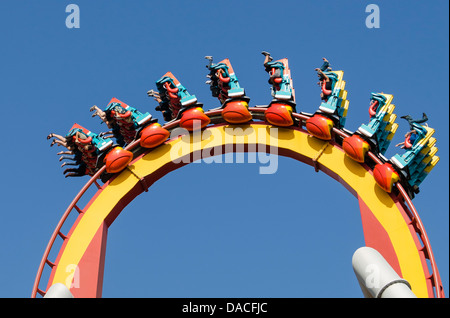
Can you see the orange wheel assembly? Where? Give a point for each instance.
(153, 135)
(319, 126)
(117, 159)
(236, 112)
(385, 176)
(279, 114)
(194, 118)
(355, 147)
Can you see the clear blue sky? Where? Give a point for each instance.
(212, 230)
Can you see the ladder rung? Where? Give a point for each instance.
(98, 186)
(50, 263)
(78, 209)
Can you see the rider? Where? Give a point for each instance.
(163, 106)
(219, 80)
(273, 70)
(324, 81)
(80, 171)
(125, 123)
(412, 136)
(120, 120)
(416, 129)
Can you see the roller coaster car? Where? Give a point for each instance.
(132, 124)
(118, 110)
(279, 111)
(171, 90)
(103, 151)
(376, 113)
(419, 158)
(225, 86)
(223, 81)
(382, 127)
(328, 91)
(176, 103)
(376, 102)
(281, 81)
(413, 146)
(411, 168)
(335, 97)
(127, 122)
(99, 144)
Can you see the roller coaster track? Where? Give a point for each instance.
(428, 282)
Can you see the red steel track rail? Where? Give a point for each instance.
(414, 220)
(433, 278)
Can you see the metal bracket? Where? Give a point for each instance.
(141, 180)
(317, 156)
